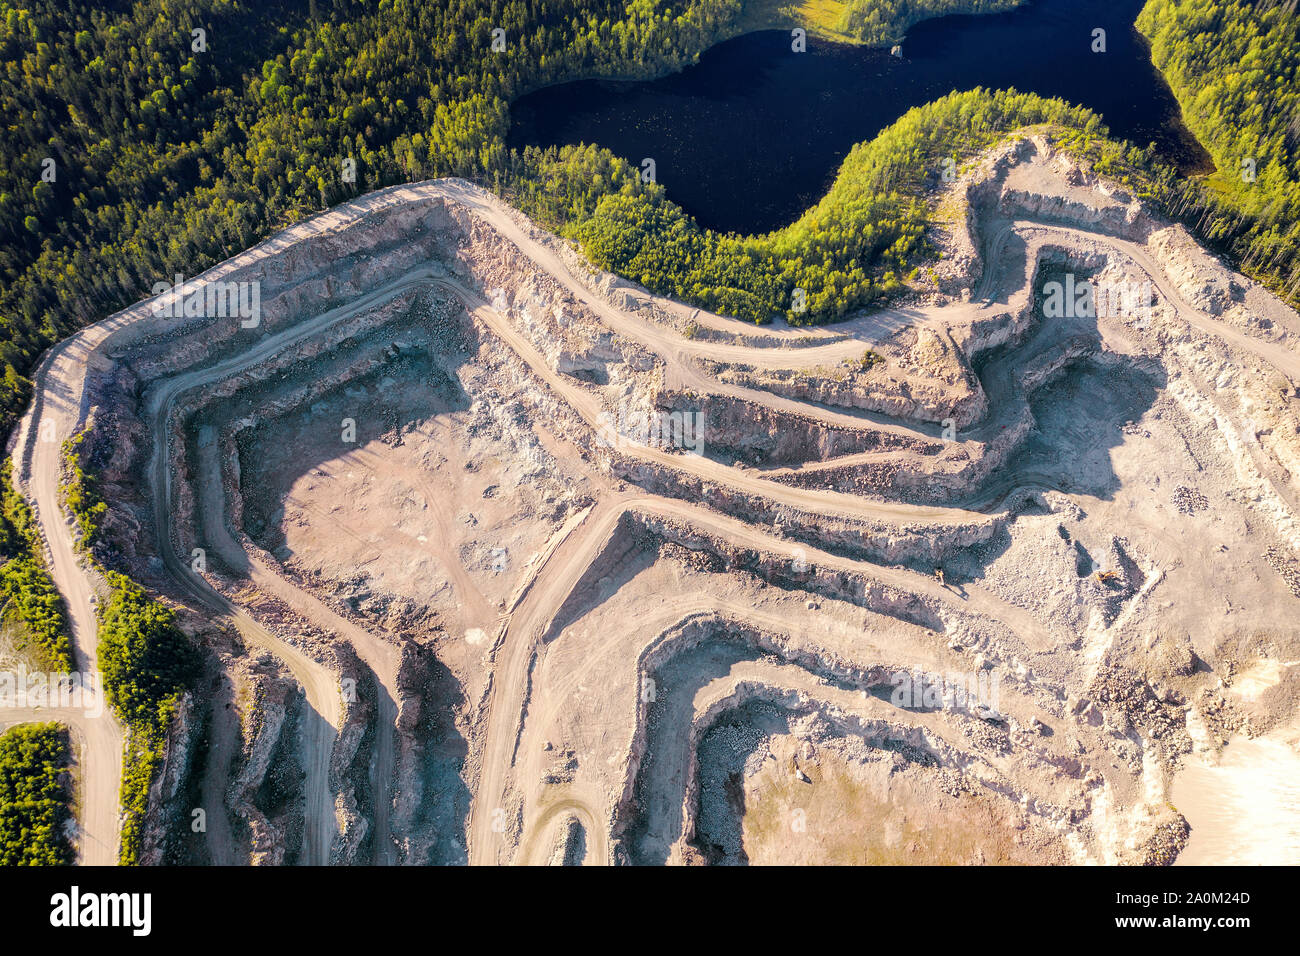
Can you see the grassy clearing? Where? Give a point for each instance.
(821, 18)
(869, 22)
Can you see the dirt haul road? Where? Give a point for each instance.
(55, 416)
(674, 349)
(382, 657)
(58, 411)
(92, 754)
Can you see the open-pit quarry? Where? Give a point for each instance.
(495, 559)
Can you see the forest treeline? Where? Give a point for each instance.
(146, 661)
(145, 138)
(885, 21)
(857, 245)
(1234, 66)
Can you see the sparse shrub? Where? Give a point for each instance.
(81, 495)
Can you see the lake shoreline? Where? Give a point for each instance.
(751, 136)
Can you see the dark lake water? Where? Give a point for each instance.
(752, 135)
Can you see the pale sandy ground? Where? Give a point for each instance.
(1244, 808)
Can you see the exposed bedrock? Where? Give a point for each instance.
(714, 643)
(865, 538)
(353, 764)
(432, 794)
(172, 794)
(917, 744)
(1044, 350)
(304, 280)
(266, 787)
(919, 375)
(704, 649)
(783, 778)
(732, 428)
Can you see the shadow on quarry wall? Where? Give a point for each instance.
(671, 736)
(415, 381)
(1079, 394)
(1081, 399)
(629, 550)
(398, 375)
(431, 801)
(1081, 417)
(659, 791)
(279, 797)
(209, 758)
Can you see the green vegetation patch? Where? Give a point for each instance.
(169, 154)
(852, 249)
(33, 617)
(35, 796)
(81, 495)
(877, 22)
(135, 150)
(1234, 67)
(871, 22)
(147, 664)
